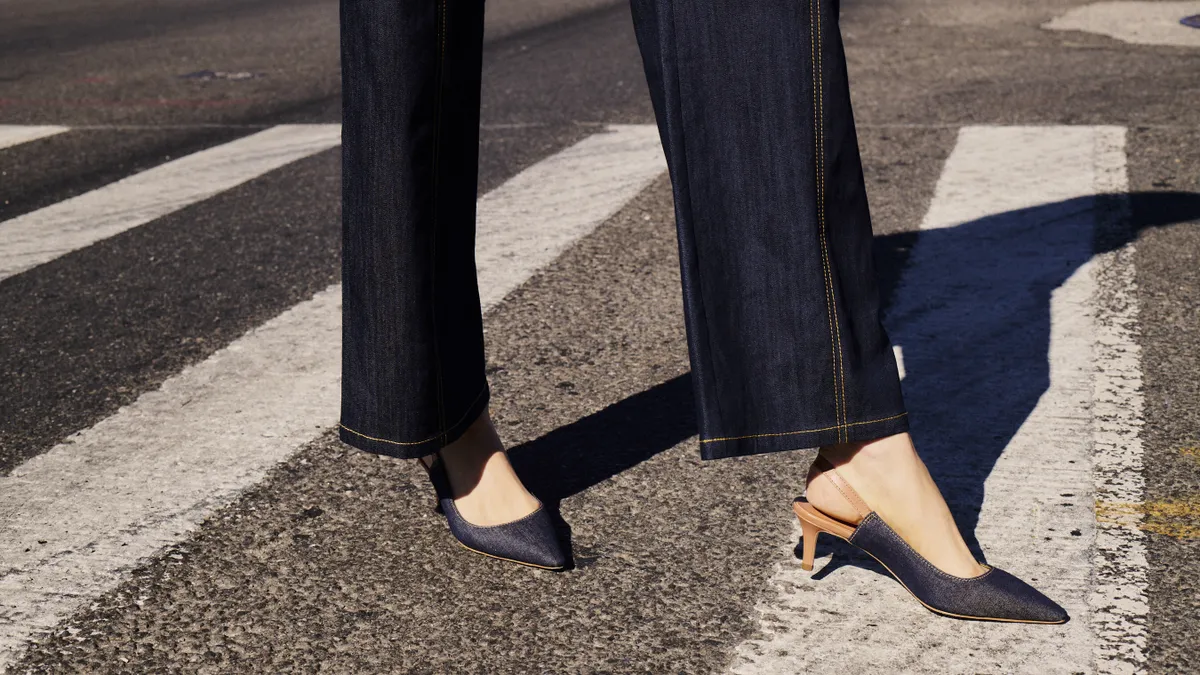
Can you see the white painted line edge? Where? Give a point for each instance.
(1118, 600)
(534, 217)
(15, 134)
(40, 236)
(1139, 23)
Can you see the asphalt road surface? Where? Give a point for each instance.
(173, 497)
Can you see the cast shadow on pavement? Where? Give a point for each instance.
(577, 456)
(970, 307)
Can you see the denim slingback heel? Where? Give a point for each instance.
(531, 540)
(994, 595)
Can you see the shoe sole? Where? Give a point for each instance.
(519, 562)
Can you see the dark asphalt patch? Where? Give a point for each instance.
(1163, 162)
(82, 74)
(574, 72)
(72, 26)
(989, 63)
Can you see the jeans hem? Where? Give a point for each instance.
(757, 444)
(413, 450)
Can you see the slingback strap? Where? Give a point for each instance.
(829, 471)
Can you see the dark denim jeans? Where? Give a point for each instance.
(753, 106)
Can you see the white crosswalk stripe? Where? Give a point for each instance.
(16, 134)
(1004, 268)
(139, 480)
(43, 235)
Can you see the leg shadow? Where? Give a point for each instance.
(842, 554)
(970, 307)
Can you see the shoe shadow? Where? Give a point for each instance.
(970, 307)
(577, 456)
(841, 555)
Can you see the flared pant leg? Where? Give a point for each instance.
(782, 309)
(781, 300)
(412, 333)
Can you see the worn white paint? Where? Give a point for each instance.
(16, 134)
(535, 216)
(1011, 363)
(1118, 600)
(142, 478)
(40, 236)
(1139, 23)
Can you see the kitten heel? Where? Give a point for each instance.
(809, 542)
(813, 523)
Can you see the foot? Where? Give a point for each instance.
(486, 489)
(893, 481)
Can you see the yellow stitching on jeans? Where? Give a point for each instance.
(839, 427)
(819, 176)
(834, 337)
(431, 438)
(841, 354)
(819, 189)
(841, 358)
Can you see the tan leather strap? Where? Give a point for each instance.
(829, 471)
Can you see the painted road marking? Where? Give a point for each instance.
(16, 134)
(144, 477)
(1140, 23)
(43, 235)
(1017, 350)
(1118, 601)
(534, 217)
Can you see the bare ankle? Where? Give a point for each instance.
(467, 457)
(897, 446)
(478, 442)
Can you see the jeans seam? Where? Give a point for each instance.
(819, 173)
(441, 434)
(838, 427)
(437, 144)
(837, 331)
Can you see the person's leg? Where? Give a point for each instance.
(413, 378)
(782, 310)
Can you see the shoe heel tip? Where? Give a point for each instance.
(807, 567)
